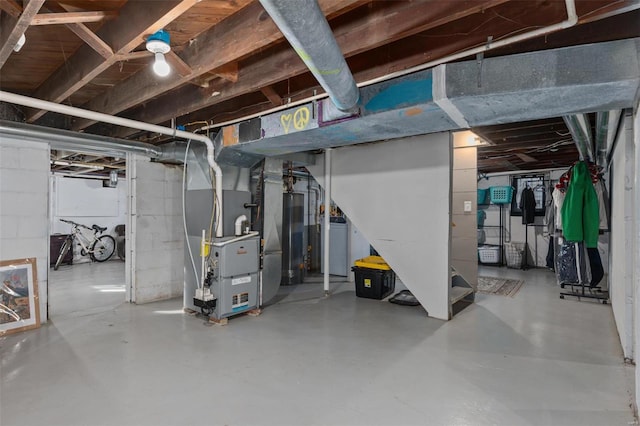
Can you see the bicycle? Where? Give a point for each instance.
(99, 249)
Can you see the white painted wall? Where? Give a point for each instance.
(636, 245)
(87, 202)
(398, 195)
(24, 218)
(622, 260)
(158, 236)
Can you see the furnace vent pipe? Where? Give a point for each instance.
(305, 27)
(125, 122)
(238, 224)
(67, 140)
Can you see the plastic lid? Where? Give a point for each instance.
(372, 262)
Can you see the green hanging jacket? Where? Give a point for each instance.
(580, 211)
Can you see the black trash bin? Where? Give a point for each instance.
(374, 278)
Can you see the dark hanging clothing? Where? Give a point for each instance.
(595, 262)
(528, 206)
(551, 254)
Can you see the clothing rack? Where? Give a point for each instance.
(581, 292)
(579, 255)
(582, 289)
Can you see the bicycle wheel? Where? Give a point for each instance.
(63, 252)
(103, 248)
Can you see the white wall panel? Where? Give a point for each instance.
(397, 194)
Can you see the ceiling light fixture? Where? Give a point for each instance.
(21, 41)
(158, 44)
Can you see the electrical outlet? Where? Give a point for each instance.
(467, 206)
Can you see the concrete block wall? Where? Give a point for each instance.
(464, 236)
(622, 257)
(158, 235)
(24, 222)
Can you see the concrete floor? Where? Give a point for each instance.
(529, 360)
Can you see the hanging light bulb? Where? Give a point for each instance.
(160, 66)
(158, 44)
(21, 41)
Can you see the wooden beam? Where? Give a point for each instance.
(137, 19)
(82, 31)
(138, 54)
(270, 93)
(92, 39)
(396, 20)
(203, 80)
(11, 7)
(178, 64)
(249, 25)
(71, 17)
(228, 72)
(11, 28)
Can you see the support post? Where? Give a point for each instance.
(327, 215)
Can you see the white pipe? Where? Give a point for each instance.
(125, 122)
(327, 214)
(203, 248)
(572, 19)
(238, 224)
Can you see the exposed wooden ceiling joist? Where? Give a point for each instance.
(83, 32)
(180, 66)
(71, 17)
(270, 93)
(228, 72)
(11, 7)
(251, 25)
(12, 28)
(92, 40)
(394, 21)
(136, 21)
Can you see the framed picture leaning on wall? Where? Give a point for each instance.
(19, 301)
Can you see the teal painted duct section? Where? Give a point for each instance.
(402, 94)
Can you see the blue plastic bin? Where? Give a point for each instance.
(482, 196)
(500, 194)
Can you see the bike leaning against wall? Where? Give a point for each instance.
(99, 247)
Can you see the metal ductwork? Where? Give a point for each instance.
(606, 125)
(580, 129)
(73, 141)
(305, 27)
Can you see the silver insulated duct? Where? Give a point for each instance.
(580, 129)
(73, 141)
(307, 30)
(606, 125)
